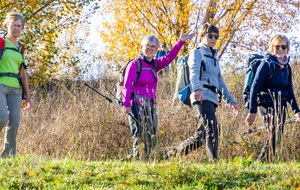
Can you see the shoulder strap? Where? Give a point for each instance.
(138, 69)
(289, 70)
(2, 47)
(209, 56)
(22, 49)
(271, 70)
(202, 65)
(155, 65)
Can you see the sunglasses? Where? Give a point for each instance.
(210, 36)
(283, 47)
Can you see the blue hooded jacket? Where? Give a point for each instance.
(281, 81)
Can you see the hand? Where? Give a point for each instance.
(250, 119)
(127, 110)
(186, 36)
(297, 115)
(27, 104)
(235, 110)
(198, 95)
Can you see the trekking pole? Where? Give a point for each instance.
(261, 128)
(110, 92)
(110, 101)
(119, 100)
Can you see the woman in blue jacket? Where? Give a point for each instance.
(274, 92)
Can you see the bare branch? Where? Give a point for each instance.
(43, 7)
(160, 34)
(236, 28)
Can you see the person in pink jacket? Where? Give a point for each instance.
(139, 97)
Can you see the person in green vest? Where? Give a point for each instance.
(12, 74)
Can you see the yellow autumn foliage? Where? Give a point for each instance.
(49, 37)
(239, 22)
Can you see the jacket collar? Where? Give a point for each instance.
(208, 50)
(274, 59)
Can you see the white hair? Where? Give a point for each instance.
(150, 38)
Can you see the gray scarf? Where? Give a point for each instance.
(284, 61)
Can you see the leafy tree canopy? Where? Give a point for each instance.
(50, 34)
(244, 24)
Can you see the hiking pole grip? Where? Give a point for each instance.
(290, 120)
(253, 130)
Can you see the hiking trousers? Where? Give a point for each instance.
(10, 105)
(274, 123)
(145, 130)
(207, 130)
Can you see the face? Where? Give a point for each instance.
(149, 50)
(209, 39)
(15, 28)
(280, 49)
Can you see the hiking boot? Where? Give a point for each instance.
(170, 153)
(126, 158)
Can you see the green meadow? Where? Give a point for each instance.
(32, 172)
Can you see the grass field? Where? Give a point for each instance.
(73, 139)
(31, 172)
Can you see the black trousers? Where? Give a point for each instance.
(207, 130)
(145, 129)
(274, 120)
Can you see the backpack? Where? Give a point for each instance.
(21, 51)
(3, 48)
(252, 65)
(183, 84)
(121, 75)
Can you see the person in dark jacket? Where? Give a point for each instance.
(271, 95)
(162, 52)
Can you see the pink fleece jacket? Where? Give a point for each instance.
(146, 84)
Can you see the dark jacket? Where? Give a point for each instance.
(281, 81)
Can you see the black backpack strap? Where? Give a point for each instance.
(272, 68)
(154, 70)
(22, 53)
(215, 60)
(138, 69)
(18, 76)
(155, 66)
(202, 68)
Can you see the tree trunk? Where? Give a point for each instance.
(210, 11)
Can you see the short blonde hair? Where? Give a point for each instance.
(11, 17)
(277, 38)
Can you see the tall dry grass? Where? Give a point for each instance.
(74, 122)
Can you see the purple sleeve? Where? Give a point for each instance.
(167, 59)
(129, 78)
